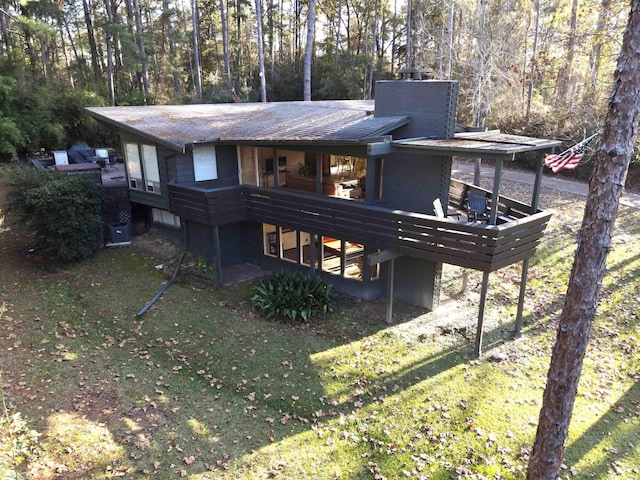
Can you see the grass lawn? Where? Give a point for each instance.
(202, 387)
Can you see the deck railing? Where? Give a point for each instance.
(472, 245)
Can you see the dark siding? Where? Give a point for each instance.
(231, 249)
(412, 182)
(180, 168)
(430, 104)
(414, 281)
(227, 160)
(201, 241)
(150, 199)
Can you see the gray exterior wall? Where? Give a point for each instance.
(430, 103)
(413, 182)
(180, 168)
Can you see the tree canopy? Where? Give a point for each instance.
(536, 67)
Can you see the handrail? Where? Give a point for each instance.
(474, 245)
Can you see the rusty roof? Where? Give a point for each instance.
(337, 121)
(492, 144)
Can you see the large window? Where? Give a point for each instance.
(330, 255)
(204, 163)
(164, 217)
(142, 167)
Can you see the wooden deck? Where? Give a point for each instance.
(472, 245)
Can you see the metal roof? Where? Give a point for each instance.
(491, 144)
(339, 121)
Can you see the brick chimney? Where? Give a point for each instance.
(431, 104)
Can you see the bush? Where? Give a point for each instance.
(293, 296)
(60, 213)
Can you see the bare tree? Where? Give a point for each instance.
(374, 43)
(196, 51)
(594, 242)
(263, 87)
(224, 22)
(308, 50)
(565, 73)
(534, 62)
(139, 40)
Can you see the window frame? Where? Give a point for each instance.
(205, 163)
(143, 168)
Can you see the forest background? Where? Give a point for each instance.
(532, 67)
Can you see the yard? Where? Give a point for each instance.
(202, 387)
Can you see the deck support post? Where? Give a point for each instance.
(276, 170)
(319, 178)
(536, 186)
(535, 196)
(483, 300)
(216, 240)
(312, 253)
(392, 268)
(517, 329)
(495, 195)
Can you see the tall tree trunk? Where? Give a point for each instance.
(93, 49)
(409, 47)
(63, 46)
(598, 42)
(196, 51)
(224, 25)
(337, 46)
(263, 86)
(308, 50)
(172, 46)
(594, 241)
(565, 73)
(140, 41)
(373, 49)
(239, 58)
(440, 47)
(479, 103)
(272, 47)
(534, 63)
(450, 40)
(109, 42)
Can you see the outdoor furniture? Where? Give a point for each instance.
(477, 208)
(439, 211)
(61, 157)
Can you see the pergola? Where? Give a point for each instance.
(500, 148)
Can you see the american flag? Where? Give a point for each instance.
(570, 158)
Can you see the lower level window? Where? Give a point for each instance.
(331, 255)
(164, 217)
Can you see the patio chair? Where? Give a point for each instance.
(477, 208)
(61, 157)
(439, 210)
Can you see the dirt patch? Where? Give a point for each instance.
(160, 247)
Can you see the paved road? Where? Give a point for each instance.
(579, 188)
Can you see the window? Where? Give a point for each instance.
(164, 217)
(204, 163)
(142, 167)
(134, 167)
(335, 256)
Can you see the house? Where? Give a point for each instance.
(344, 189)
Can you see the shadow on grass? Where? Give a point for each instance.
(610, 445)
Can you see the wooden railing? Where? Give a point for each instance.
(472, 245)
(215, 206)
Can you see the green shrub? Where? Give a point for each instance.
(60, 213)
(292, 295)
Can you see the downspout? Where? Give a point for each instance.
(163, 289)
